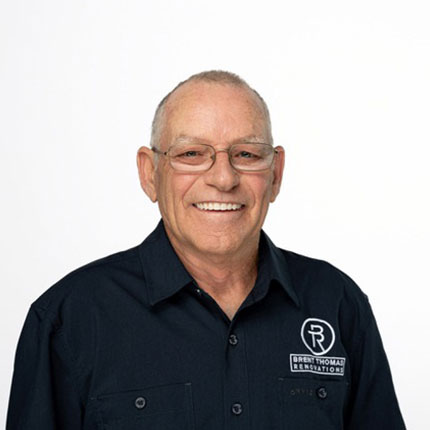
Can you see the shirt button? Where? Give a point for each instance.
(140, 402)
(237, 408)
(198, 291)
(233, 340)
(322, 393)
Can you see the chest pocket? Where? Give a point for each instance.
(166, 407)
(309, 404)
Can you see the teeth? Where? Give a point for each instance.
(213, 206)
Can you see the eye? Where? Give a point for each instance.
(189, 154)
(246, 154)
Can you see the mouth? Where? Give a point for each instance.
(217, 206)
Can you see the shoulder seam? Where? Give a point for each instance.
(83, 271)
(112, 258)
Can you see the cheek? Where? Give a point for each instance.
(172, 190)
(262, 190)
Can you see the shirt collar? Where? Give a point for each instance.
(163, 271)
(165, 274)
(272, 268)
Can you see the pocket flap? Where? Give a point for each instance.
(309, 391)
(312, 403)
(159, 399)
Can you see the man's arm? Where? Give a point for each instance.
(43, 394)
(373, 404)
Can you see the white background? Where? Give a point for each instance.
(348, 87)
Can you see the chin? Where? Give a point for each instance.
(217, 245)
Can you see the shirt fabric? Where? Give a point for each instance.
(131, 342)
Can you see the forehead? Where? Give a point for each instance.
(217, 113)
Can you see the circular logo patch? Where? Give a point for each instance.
(318, 336)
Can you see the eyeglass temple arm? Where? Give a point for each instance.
(157, 151)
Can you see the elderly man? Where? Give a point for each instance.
(205, 324)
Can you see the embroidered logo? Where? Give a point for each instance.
(319, 337)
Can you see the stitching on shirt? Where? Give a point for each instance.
(59, 330)
(74, 366)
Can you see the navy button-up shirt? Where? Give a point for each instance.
(131, 342)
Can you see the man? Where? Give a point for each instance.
(206, 324)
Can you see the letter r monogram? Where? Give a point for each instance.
(317, 335)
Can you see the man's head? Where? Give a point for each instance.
(219, 211)
(215, 77)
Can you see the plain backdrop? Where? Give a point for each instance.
(348, 87)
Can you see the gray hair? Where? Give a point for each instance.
(211, 76)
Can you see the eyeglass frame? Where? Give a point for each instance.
(213, 157)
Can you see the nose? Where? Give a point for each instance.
(222, 175)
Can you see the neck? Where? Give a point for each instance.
(226, 277)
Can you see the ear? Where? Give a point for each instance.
(277, 172)
(146, 167)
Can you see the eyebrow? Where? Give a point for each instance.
(191, 139)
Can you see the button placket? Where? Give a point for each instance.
(236, 376)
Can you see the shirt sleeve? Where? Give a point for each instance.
(43, 394)
(374, 404)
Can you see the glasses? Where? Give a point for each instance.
(198, 157)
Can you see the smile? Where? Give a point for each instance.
(215, 206)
